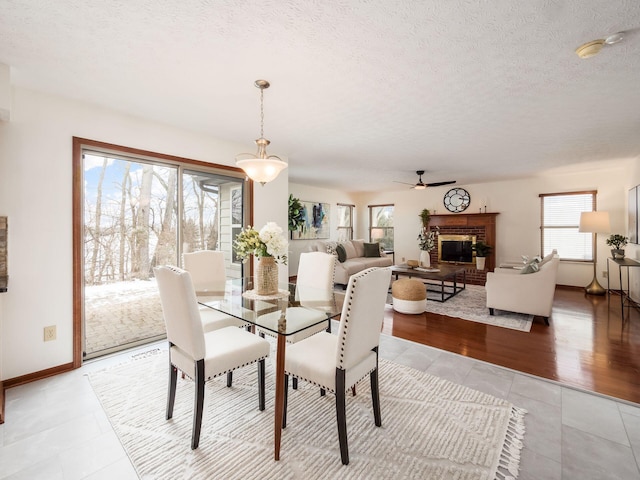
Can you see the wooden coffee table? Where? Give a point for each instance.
(444, 282)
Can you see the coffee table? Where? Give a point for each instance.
(444, 282)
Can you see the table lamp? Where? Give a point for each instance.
(595, 222)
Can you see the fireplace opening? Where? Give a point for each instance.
(456, 248)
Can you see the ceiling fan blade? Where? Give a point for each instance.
(404, 183)
(437, 184)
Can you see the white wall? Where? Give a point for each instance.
(35, 193)
(317, 195)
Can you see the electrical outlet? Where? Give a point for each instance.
(403, 260)
(604, 274)
(49, 333)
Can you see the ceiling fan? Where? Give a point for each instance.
(421, 185)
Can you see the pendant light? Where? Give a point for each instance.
(261, 167)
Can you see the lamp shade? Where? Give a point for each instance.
(594, 222)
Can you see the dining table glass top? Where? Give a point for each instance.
(293, 309)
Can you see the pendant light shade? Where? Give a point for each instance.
(261, 167)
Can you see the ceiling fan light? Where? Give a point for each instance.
(420, 187)
(590, 49)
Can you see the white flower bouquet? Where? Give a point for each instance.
(427, 239)
(269, 242)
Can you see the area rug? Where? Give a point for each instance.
(431, 428)
(471, 304)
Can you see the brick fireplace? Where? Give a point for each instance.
(482, 226)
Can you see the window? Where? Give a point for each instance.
(560, 222)
(381, 225)
(345, 222)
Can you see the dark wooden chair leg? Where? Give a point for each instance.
(198, 404)
(328, 325)
(261, 384)
(546, 321)
(491, 312)
(294, 383)
(375, 398)
(341, 415)
(353, 390)
(229, 379)
(286, 398)
(171, 395)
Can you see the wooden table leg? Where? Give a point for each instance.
(277, 426)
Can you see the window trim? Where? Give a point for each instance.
(542, 196)
(370, 207)
(350, 227)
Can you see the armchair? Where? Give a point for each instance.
(524, 293)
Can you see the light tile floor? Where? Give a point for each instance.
(56, 429)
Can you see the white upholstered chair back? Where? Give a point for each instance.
(180, 310)
(316, 269)
(207, 269)
(362, 315)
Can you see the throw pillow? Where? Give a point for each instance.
(350, 250)
(342, 254)
(331, 248)
(371, 250)
(531, 266)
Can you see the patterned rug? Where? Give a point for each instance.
(471, 304)
(431, 428)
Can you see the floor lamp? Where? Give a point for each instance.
(595, 222)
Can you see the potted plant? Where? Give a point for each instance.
(617, 241)
(425, 216)
(296, 213)
(482, 251)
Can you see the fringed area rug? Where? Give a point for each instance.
(431, 428)
(471, 304)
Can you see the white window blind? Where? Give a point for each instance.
(560, 222)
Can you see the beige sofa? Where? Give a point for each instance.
(509, 290)
(355, 261)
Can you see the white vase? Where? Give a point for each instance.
(480, 263)
(425, 259)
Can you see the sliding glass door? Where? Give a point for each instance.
(131, 206)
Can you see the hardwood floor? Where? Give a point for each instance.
(587, 345)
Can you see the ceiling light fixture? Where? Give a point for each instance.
(261, 167)
(592, 48)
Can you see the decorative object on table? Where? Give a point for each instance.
(296, 213)
(413, 263)
(427, 241)
(315, 221)
(617, 241)
(261, 167)
(482, 251)
(270, 246)
(595, 223)
(457, 200)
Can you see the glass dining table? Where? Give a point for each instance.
(293, 309)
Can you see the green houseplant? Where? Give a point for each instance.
(425, 216)
(618, 242)
(482, 251)
(296, 213)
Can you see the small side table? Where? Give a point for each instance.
(392, 253)
(625, 299)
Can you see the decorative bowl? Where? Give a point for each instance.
(412, 263)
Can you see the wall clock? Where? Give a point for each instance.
(457, 200)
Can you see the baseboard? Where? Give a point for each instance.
(1, 402)
(32, 377)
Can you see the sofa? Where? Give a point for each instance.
(528, 289)
(352, 257)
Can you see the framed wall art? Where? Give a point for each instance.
(315, 223)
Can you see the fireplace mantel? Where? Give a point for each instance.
(482, 225)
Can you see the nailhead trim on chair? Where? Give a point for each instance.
(331, 390)
(222, 373)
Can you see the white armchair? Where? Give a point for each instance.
(531, 293)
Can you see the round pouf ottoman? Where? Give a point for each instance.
(409, 296)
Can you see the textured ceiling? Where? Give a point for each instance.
(374, 89)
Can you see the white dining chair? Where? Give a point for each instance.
(202, 356)
(336, 363)
(314, 283)
(208, 274)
